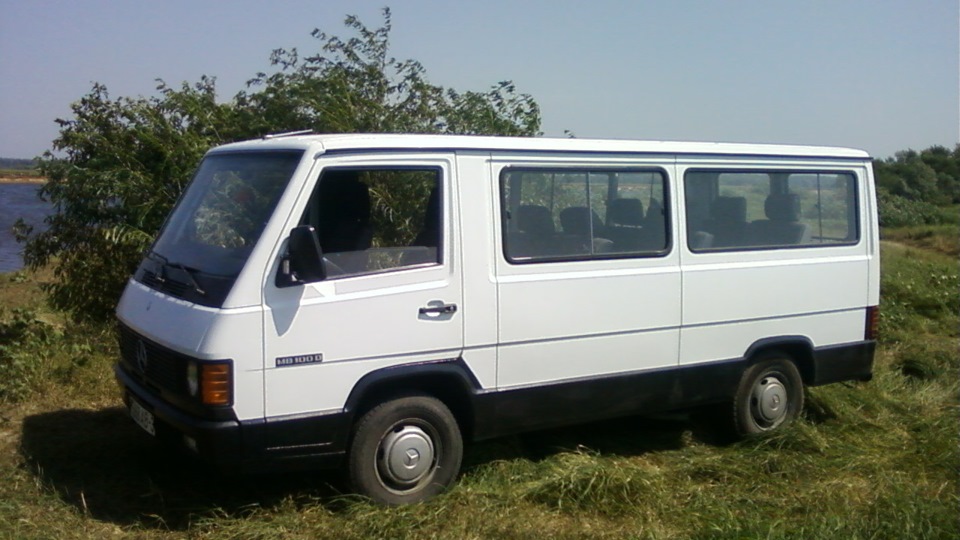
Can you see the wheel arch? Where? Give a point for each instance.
(449, 381)
(798, 348)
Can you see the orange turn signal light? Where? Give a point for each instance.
(215, 383)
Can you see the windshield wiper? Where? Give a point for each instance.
(189, 272)
(162, 275)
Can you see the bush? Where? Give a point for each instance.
(21, 332)
(897, 211)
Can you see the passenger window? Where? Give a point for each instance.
(375, 220)
(568, 214)
(729, 210)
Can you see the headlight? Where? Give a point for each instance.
(193, 378)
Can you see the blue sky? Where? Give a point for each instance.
(877, 75)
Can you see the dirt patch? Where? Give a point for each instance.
(24, 288)
(942, 239)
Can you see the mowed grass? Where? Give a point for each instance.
(868, 460)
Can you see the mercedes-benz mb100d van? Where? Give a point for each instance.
(377, 300)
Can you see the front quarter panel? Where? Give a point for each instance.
(173, 323)
(203, 333)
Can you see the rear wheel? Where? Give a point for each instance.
(405, 451)
(770, 395)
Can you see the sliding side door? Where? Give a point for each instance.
(589, 285)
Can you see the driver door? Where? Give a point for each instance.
(392, 294)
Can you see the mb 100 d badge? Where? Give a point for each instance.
(314, 358)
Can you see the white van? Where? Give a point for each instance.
(376, 300)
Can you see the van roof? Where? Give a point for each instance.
(336, 143)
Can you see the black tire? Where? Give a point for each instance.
(770, 395)
(405, 451)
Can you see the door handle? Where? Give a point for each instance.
(442, 309)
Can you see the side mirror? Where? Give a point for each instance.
(303, 262)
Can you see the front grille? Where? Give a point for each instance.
(153, 364)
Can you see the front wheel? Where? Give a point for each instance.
(405, 451)
(770, 395)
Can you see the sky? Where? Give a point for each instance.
(879, 75)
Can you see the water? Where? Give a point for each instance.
(16, 201)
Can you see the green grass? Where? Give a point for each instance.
(869, 460)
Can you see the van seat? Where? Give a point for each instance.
(535, 234)
(654, 237)
(535, 219)
(581, 220)
(625, 223)
(625, 212)
(728, 221)
(583, 232)
(782, 226)
(344, 210)
(343, 220)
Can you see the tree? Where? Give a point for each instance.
(121, 163)
(932, 175)
(912, 185)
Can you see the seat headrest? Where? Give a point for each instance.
(729, 209)
(625, 212)
(782, 207)
(535, 219)
(344, 209)
(576, 220)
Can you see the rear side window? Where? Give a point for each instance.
(731, 210)
(570, 214)
(375, 220)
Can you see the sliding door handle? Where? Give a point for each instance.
(442, 309)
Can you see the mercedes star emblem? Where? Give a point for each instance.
(142, 356)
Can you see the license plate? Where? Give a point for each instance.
(142, 417)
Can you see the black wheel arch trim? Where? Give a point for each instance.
(820, 365)
(451, 381)
(799, 348)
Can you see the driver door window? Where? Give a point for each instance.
(377, 220)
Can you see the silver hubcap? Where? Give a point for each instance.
(406, 456)
(769, 401)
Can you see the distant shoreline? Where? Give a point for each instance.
(22, 180)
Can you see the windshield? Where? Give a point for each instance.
(216, 224)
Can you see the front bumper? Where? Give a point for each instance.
(301, 442)
(220, 442)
